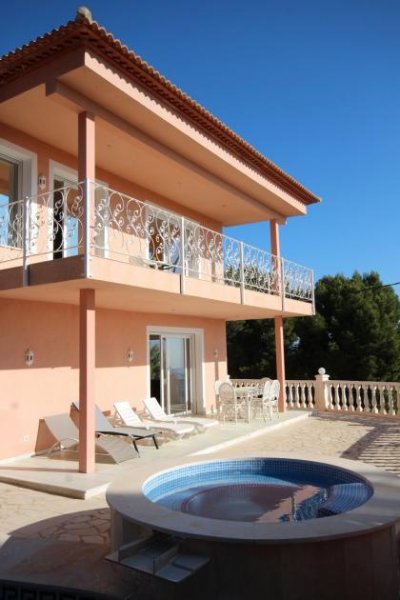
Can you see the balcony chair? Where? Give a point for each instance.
(130, 418)
(103, 426)
(156, 412)
(66, 434)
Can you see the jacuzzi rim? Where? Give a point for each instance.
(126, 497)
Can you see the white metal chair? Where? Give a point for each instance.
(270, 398)
(216, 392)
(229, 406)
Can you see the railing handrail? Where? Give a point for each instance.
(363, 383)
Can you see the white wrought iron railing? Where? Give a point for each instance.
(53, 225)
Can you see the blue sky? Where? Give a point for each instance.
(314, 85)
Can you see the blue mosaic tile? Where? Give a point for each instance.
(338, 490)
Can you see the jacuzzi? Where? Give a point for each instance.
(276, 527)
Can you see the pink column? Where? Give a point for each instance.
(87, 339)
(86, 173)
(86, 147)
(278, 322)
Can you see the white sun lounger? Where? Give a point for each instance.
(157, 413)
(131, 419)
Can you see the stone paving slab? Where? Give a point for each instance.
(61, 476)
(57, 540)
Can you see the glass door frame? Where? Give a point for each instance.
(196, 363)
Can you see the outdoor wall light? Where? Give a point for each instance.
(29, 356)
(42, 182)
(216, 353)
(130, 355)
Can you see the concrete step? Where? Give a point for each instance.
(159, 555)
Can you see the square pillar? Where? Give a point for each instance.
(86, 147)
(280, 361)
(87, 366)
(86, 178)
(274, 234)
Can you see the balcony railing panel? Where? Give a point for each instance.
(52, 225)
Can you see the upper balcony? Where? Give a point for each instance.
(141, 257)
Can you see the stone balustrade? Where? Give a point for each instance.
(342, 396)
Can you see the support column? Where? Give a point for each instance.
(87, 340)
(278, 321)
(274, 233)
(86, 146)
(87, 175)
(280, 361)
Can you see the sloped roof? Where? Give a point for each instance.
(83, 32)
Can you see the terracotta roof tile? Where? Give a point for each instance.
(83, 32)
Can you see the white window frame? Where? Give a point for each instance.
(198, 373)
(27, 179)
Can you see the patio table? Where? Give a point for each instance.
(246, 394)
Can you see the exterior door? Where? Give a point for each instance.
(10, 209)
(171, 371)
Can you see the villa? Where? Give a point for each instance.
(116, 277)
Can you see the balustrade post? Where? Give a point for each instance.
(281, 276)
(321, 390)
(86, 226)
(313, 293)
(25, 240)
(183, 266)
(242, 280)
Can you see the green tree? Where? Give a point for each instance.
(355, 335)
(251, 347)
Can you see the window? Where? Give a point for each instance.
(10, 205)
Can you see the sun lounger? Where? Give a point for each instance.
(131, 419)
(102, 425)
(66, 434)
(157, 413)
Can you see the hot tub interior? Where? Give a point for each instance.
(259, 489)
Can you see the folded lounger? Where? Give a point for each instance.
(157, 413)
(131, 419)
(66, 434)
(102, 425)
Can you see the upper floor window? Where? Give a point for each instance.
(10, 207)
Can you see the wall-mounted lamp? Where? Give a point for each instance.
(42, 182)
(216, 353)
(130, 355)
(29, 356)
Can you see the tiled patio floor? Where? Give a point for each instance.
(63, 541)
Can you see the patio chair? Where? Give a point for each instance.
(157, 413)
(104, 426)
(130, 418)
(216, 391)
(228, 402)
(66, 434)
(270, 398)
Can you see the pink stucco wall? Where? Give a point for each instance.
(52, 382)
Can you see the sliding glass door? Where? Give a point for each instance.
(171, 360)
